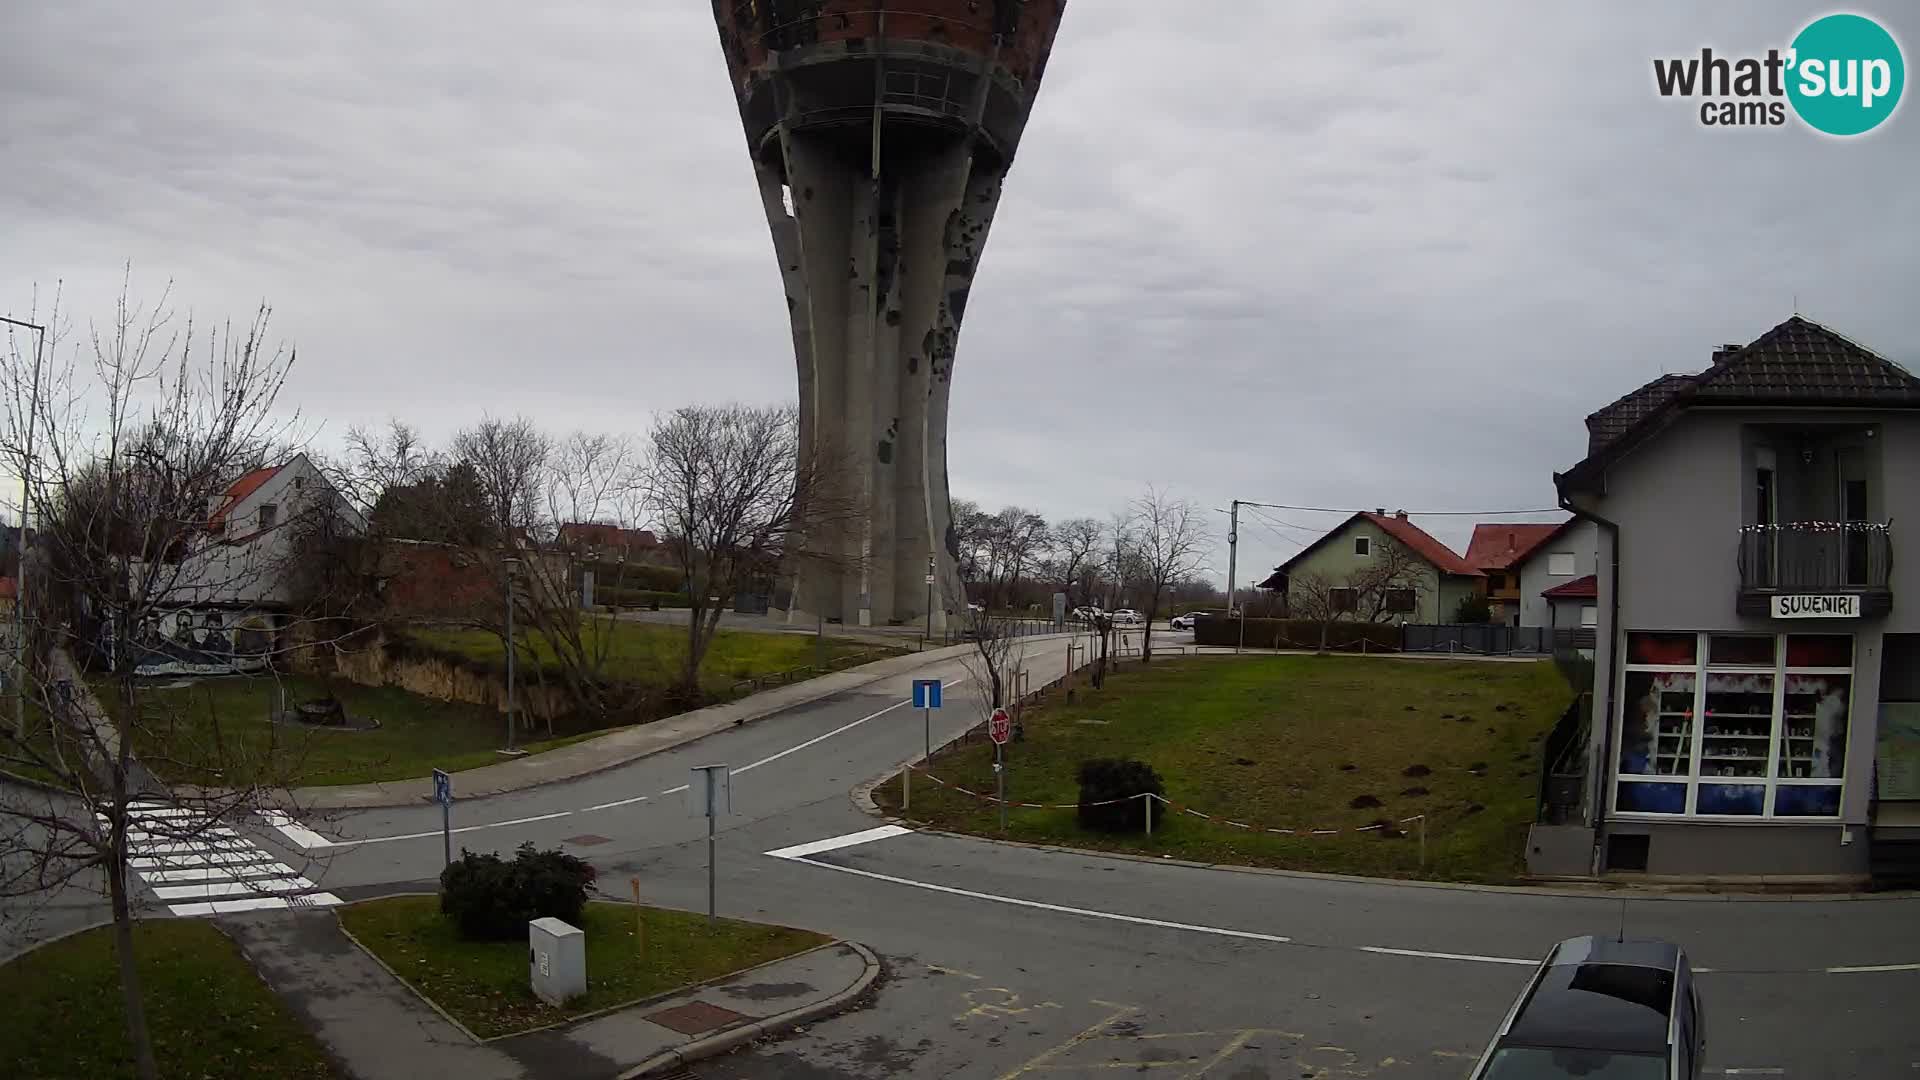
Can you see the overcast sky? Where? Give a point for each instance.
(1322, 254)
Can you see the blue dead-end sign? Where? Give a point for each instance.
(442, 787)
(926, 693)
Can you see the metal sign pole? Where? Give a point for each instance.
(1000, 775)
(710, 874)
(926, 715)
(443, 794)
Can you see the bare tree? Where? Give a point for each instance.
(135, 440)
(738, 502)
(1076, 547)
(510, 457)
(1170, 538)
(1391, 584)
(1315, 597)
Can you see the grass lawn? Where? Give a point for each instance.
(484, 984)
(210, 1016)
(216, 731)
(1287, 742)
(652, 653)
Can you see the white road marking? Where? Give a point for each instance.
(1475, 958)
(1015, 901)
(145, 850)
(257, 903)
(1753, 1072)
(207, 890)
(315, 840)
(437, 832)
(822, 738)
(295, 831)
(835, 843)
(616, 802)
(198, 858)
(1863, 968)
(206, 873)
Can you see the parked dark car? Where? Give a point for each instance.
(1602, 1008)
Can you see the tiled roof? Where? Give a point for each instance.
(1580, 588)
(1802, 362)
(1416, 540)
(1497, 545)
(1798, 362)
(1422, 543)
(240, 489)
(1613, 421)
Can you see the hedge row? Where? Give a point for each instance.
(1297, 634)
(608, 575)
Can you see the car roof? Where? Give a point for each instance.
(1601, 994)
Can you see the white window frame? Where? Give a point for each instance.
(1589, 615)
(1363, 547)
(1554, 563)
(1701, 668)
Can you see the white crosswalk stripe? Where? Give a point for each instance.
(201, 868)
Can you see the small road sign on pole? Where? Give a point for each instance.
(709, 795)
(443, 794)
(1000, 729)
(926, 693)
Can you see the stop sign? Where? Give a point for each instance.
(1000, 727)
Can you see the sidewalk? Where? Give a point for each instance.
(622, 745)
(378, 1029)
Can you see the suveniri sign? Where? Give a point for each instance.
(1816, 607)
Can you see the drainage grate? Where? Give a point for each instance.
(696, 1018)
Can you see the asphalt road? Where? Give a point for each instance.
(1006, 961)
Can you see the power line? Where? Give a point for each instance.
(1409, 513)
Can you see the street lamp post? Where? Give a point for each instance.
(20, 555)
(508, 566)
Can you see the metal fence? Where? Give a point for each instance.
(1486, 639)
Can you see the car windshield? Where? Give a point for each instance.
(1556, 1063)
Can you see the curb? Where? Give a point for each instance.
(714, 1045)
(861, 796)
(57, 938)
(320, 798)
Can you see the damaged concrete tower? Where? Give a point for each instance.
(880, 131)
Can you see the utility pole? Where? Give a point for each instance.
(507, 567)
(1233, 561)
(20, 554)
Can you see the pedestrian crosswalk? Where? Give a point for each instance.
(197, 867)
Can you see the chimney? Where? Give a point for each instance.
(1511, 542)
(1401, 514)
(1380, 510)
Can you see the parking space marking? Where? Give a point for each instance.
(1045, 1056)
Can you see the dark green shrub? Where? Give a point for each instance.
(1473, 608)
(1106, 779)
(491, 899)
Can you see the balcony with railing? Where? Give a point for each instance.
(1819, 559)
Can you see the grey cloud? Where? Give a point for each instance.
(1297, 253)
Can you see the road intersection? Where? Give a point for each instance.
(1007, 960)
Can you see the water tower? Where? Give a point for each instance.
(880, 131)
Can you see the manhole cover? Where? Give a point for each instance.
(696, 1017)
(585, 839)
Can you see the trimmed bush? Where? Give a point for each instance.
(1102, 779)
(491, 899)
(1344, 634)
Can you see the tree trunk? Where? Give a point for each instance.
(137, 1037)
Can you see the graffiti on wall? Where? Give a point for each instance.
(204, 641)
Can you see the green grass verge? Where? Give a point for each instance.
(218, 732)
(652, 653)
(210, 1016)
(484, 983)
(1286, 742)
